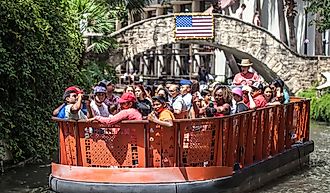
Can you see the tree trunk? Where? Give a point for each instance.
(281, 18)
(292, 34)
(318, 43)
(290, 15)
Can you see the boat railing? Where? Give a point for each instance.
(243, 139)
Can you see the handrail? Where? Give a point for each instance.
(243, 138)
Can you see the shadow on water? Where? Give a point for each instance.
(313, 178)
(27, 179)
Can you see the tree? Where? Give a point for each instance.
(133, 6)
(291, 13)
(94, 17)
(283, 35)
(40, 47)
(320, 8)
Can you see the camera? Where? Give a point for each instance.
(85, 97)
(210, 111)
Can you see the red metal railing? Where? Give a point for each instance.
(242, 138)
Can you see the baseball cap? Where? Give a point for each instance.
(185, 82)
(257, 85)
(104, 83)
(67, 93)
(237, 91)
(99, 89)
(75, 89)
(246, 88)
(127, 97)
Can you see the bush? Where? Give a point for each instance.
(320, 110)
(40, 47)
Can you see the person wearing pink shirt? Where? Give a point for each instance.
(259, 100)
(128, 111)
(245, 77)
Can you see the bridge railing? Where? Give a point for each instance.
(243, 138)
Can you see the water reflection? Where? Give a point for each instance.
(314, 178)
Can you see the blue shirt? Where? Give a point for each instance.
(61, 113)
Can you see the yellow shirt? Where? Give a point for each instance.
(166, 115)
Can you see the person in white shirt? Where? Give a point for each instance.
(178, 105)
(98, 107)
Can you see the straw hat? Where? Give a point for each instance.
(246, 62)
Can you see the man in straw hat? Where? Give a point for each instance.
(245, 77)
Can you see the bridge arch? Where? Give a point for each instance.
(270, 56)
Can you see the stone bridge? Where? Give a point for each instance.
(270, 56)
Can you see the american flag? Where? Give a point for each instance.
(194, 26)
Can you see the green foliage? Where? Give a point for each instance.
(320, 110)
(133, 6)
(40, 47)
(93, 72)
(320, 8)
(94, 17)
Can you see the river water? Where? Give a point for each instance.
(314, 178)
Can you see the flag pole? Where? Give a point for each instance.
(191, 61)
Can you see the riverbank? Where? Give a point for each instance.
(319, 110)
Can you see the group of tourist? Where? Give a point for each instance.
(172, 100)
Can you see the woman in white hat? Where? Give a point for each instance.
(245, 77)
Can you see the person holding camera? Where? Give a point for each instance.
(59, 112)
(73, 107)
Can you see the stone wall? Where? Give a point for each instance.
(270, 56)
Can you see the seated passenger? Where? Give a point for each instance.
(268, 94)
(245, 77)
(59, 112)
(98, 107)
(278, 86)
(74, 105)
(110, 99)
(185, 90)
(238, 97)
(206, 94)
(247, 90)
(130, 89)
(164, 93)
(177, 104)
(161, 115)
(128, 111)
(196, 110)
(143, 104)
(223, 99)
(259, 100)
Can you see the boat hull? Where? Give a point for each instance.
(249, 178)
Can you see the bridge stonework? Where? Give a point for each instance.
(270, 56)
